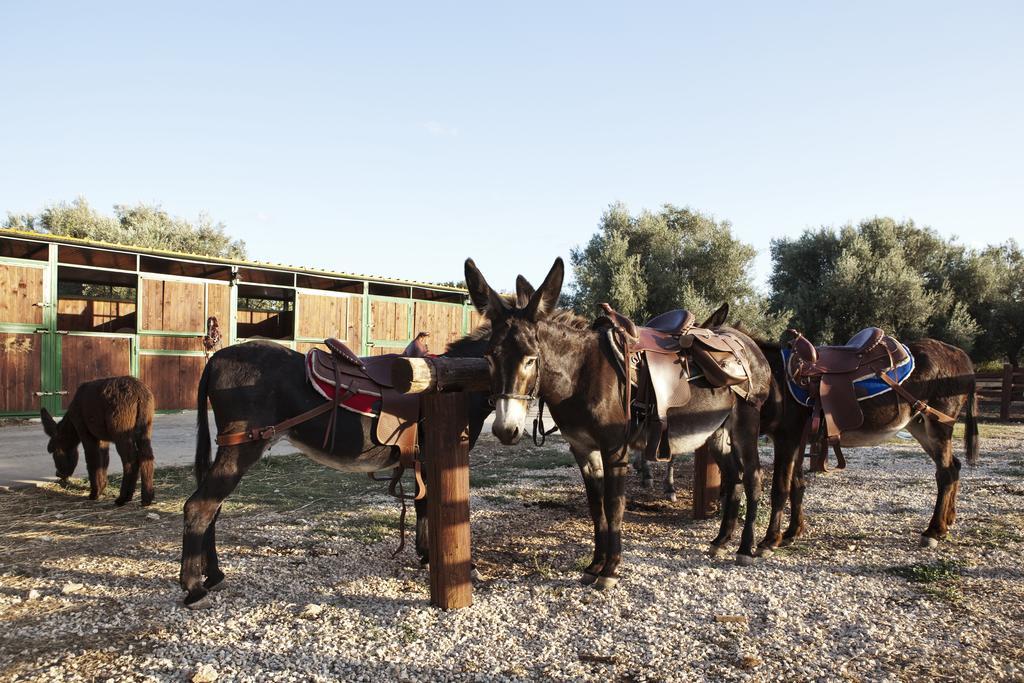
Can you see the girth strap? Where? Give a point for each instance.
(268, 433)
(918, 405)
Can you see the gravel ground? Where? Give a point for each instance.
(88, 592)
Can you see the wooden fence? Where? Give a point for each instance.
(1001, 389)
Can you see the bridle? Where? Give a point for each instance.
(530, 397)
(540, 434)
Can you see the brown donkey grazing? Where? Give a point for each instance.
(116, 410)
(943, 378)
(536, 351)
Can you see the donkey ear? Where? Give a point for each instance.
(717, 318)
(544, 299)
(485, 299)
(524, 290)
(49, 425)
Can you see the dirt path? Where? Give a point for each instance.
(24, 461)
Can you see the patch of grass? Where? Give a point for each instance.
(939, 579)
(547, 458)
(369, 527)
(408, 632)
(1013, 468)
(801, 547)
(542, 566)
(763, 512)
(996, 532)
(985, 430)
(992, 429)
(927, 572)
(498, 498)
(503, 466)
(282, 483)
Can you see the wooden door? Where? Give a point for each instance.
(21, 367)
(25, 329)
(390, 325)
(443, 322)
(323, 315)
(87, 357)
(172, 306)
(172, 379)
(22, 294)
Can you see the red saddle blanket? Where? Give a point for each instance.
(361, 400)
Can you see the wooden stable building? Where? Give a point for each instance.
(73, 310)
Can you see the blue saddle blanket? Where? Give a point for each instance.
(866, 387)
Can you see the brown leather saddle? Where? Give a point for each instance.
(350, 375)
(828, 374)
(657, 359)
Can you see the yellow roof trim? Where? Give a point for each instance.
(61, 239)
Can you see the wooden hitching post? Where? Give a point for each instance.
(445, 443)
(819, 456)
(1006, 396)
(707, 484)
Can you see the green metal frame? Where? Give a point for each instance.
(364, 337)
(46, 331)
(371, 342)
(410, 331)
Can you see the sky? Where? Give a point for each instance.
(397, 139)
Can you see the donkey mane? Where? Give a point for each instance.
(562, 317)
(468, 345)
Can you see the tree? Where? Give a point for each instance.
(675, 258)
(895, 275)
(1004, 324)
(140, 225)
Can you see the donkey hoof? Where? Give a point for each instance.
(765, 552)
(215, 583)
(606, 583)
(199, 602)
(586, 578)
(118, 502)
(744, 560)
(717, 552)
(929, 542)
(475, 575)
(672, 497)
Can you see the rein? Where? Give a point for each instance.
(540, 434)
(538, 424)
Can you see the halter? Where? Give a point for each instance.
(529, 398)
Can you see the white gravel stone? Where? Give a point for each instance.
(205, 673)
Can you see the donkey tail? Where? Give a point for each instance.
(971, 426)
(203, 459)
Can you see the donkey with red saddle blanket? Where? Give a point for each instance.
(337, 408)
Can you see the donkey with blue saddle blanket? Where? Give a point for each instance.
(861, 394)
